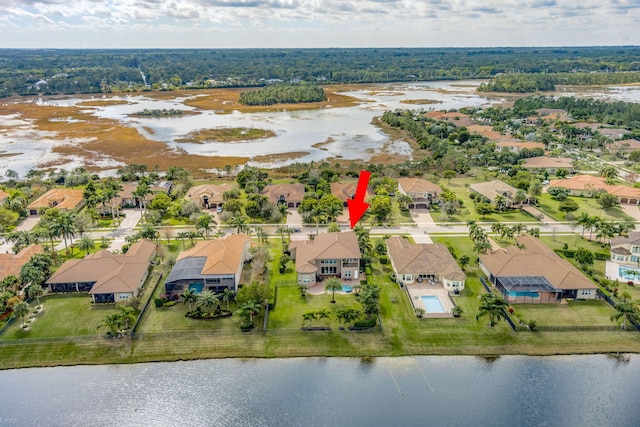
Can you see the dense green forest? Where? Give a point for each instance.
(283, 93)
(539, 82)
(617, 113)
(50, 71)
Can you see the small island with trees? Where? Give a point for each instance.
(158, 113)
(226, 135)
(283, 93)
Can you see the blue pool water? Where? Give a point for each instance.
(432, 304)
(515, 294)
(196, 287)
(628, 273)
(346, 288)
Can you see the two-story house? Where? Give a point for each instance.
(327, 255)
(423, 193)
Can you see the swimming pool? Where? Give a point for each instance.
(346, 288)
(516, 294)
(196, 288)
(432, 304)
(628, 273)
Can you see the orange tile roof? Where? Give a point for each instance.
(418, 185)
(223, 256)
(520, 144)
(346, 190)
(3, 196)
(11, 264)
(60, 198)
(590, 182)
(212, 191)
(548, 162)
(292, 192)
(325, 246)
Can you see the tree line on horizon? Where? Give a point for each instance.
(53, 71)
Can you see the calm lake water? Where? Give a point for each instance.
(409, 391)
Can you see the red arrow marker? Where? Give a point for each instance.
(357, 206)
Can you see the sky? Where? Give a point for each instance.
(316, 23)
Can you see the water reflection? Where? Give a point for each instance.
(508, 391)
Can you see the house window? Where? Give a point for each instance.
(620, 258)
(635, 249)
(347, 274)
(306, 279)
(124, 296)
(329, 261)
(586, 292)
(635, 258)
(329, 270)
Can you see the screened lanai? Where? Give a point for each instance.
(528, 289)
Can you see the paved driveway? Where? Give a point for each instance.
(294, 219)
(422, 218)
(632, 210)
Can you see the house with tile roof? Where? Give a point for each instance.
(530, 272)
(10, 264)
(492, 189)
(210, 265)
(106, 276)
(429, 263)
(549, 164)
(289, 194)
(327, 255)
(208, 196)
(518, 146)
(588, 185)
(59, 198)
(423, 193)
(347, 191)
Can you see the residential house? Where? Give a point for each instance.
(549, 164)
(126, 197)
(625, 252)
(517, 146)
(108, 277)
(327, 255)
(530, 272)
(347, 191)
(429, 263)
(613, 133)
(553, 114)
(495, 188)
(588, 185)
(624, 146)
(10, 264)
(59, 198)
(454, 117)
(4, 196)
(289, 194)
(208, 196)
(489, 133)
(423, 193)
(210, 265)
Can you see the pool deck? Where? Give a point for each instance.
(416, 290)
(318, 288)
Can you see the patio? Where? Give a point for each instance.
(417, 290)
(318, 287)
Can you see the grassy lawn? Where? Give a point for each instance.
(63, 316)
(173, 319)
(574, 313)
(549, 206)
(291, 306)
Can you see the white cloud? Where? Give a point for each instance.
(318, 23)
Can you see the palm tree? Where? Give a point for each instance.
(308, 317)
(239, 222)
(208, 300)
(111, 321)
(500, 202)
(251, 307)
(333, 285)
(228, 295)
(464, 261)
(347, 315)
(20, 309)
(143, 189)
(626, 311)
(182, 235)
(282, 230)
(492, 305)
(261, 234)
(86, 244)
(322, 314)
(520, 197)
(333, 228)
(35, 291)
(126, 316)
(626, 295)
(64, 226)
(188, 296)
(584, 220)
(535, 232)
(110, 189)
(518, 228)
(204, 222)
